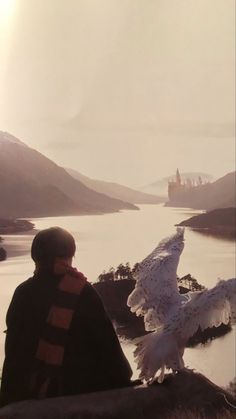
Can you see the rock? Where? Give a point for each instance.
(181, 396)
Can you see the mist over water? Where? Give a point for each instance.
(107, 240)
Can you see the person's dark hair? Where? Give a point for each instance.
(51, 243)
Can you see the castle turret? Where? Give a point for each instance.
(178, 178)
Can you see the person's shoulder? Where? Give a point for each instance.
(91, 303)
(89, 289)
(90, 292)
(24, 286)
(21, 295)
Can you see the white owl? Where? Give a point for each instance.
(173, 318)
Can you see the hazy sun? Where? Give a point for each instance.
(6, 7)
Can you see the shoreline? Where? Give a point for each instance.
(220, 223)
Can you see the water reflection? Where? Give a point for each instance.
(227, 235)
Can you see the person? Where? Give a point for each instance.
(59, 338)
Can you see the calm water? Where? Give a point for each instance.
(108, 240)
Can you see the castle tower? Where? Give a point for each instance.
(178, 178)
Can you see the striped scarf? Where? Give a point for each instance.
(46, 378)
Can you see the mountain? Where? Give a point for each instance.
(161, 185)
(116, 190)
(218, 194)
(31, 185)
(7, 138)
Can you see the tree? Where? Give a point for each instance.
(135, 268)
(107, 276)
(129, 274)
(123, 271)
(188, 281)
(120, 271)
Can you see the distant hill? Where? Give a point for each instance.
(161, 186)
(116, 190)
(218, 194)
(31, 185)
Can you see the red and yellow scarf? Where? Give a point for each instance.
(51, 346)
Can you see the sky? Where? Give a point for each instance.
(121, 90)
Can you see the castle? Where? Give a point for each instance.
(177, 187)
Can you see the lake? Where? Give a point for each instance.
(107, 240)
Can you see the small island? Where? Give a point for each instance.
(12, 226)
(218, 222)
(3, 253)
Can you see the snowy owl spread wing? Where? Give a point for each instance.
(165, 347)
(156, 291)
(205, 309)
(172, 317)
